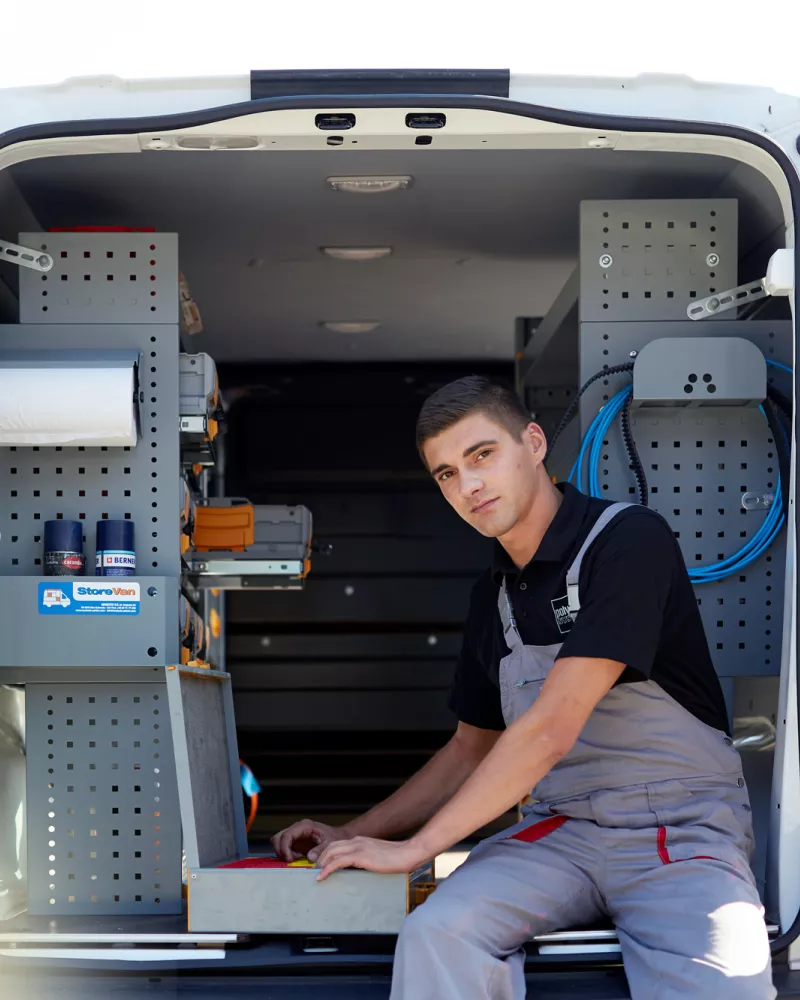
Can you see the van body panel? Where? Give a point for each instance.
(648, 95)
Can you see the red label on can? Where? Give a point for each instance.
(72, 562)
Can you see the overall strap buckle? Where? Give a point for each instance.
(573, 573)
(573, 600)
(510, 631)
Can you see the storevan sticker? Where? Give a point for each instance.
(107, 596)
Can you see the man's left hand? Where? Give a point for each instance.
(386, 856)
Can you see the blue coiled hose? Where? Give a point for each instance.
(592, 445)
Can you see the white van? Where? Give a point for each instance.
(55, 597)
(351, 240)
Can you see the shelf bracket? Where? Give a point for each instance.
(13, 253)
(778, 281)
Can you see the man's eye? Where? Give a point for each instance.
(445, 476)
(482, 453)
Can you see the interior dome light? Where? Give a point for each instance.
(357, 253)
(351, 325)
(369, 185)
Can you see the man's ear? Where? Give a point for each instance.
(535, 437)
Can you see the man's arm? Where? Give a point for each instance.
(525, 753)
(519, 759)
(431, 787)
(410, 806)
(629, 574)
(475, 700)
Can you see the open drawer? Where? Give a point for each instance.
(227, 889)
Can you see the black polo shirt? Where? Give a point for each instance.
(637, 607)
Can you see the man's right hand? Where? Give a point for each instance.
(305, 839)
(411, 806)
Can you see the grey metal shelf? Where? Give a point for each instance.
(35, 636)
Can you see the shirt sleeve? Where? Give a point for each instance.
(473, 697)
(625, 584)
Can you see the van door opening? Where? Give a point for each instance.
(331, 313)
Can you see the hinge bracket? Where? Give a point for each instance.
(729, 299)
(25, 256)
(779, 280)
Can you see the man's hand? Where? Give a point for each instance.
(306, 838)
(385, 856)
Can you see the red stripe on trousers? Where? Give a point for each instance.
(539, 830)
(663, 853)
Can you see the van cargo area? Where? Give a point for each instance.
(301, 553)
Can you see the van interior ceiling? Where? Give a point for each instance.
(341, 689)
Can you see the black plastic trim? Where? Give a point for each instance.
(295, 83)
(129, 126)
(331, 122)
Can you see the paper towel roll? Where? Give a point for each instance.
(67, 406)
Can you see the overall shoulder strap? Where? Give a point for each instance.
(573, 573)
(510, 632)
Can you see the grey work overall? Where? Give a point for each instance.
(646, 820)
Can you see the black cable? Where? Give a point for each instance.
(634, 461)
(782, 943)
(572, 409)
(791, 934)
(779, 436)
(782, 402)
(776, 406)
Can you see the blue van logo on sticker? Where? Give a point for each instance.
(54, 597)
(88, 599)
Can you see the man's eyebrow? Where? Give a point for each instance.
(474, 447)
(467, 452)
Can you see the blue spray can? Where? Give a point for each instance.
(116, 553)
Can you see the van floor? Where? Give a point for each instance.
(60, 985)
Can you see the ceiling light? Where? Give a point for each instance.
(357, 253)
(351, 325)
(370, 185)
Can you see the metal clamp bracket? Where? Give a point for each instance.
(25, 256)
(779, 280)
(758, 501)
(730, 299)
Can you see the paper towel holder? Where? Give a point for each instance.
(83, 359)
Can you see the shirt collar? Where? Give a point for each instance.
(558, 540)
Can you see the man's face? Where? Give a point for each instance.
(487, 475)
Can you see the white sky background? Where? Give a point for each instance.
(728, 41)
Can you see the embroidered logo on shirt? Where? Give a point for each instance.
(561, 610)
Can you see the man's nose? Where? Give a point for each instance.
(470, 485)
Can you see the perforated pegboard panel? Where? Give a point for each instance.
(104, 833)
(548, 405)
(102, 278)
(90, 484)
(698, 463)
(659, 256)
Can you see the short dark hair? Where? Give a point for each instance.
(472, 394)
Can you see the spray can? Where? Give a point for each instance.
(63, 548)
(116, 554)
